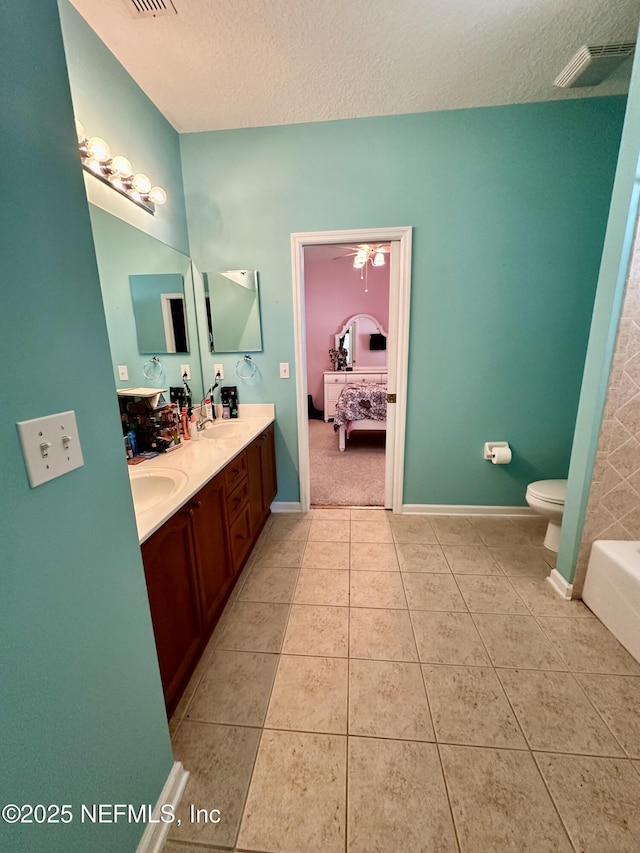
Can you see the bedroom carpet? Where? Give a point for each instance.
(352, 478)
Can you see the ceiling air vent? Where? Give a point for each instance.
(592, 64)
(151, 8)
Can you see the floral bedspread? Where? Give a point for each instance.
(361, 401)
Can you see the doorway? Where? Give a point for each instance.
(396, 339)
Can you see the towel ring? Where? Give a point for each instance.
(152, 369)
(246, 368)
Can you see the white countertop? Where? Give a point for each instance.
(199, 461)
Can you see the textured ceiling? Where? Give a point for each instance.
(246, 63)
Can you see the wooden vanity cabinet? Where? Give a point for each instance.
(193, 560)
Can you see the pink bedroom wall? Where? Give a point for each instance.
(333, 293)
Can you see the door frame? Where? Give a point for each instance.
(398, 353)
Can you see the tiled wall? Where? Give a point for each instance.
(613, 511)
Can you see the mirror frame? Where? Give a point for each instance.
(350, 324)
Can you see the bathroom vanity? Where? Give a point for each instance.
(197, 538)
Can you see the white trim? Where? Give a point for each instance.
(286, 506)
(397, 355)
(560, 585)
(167, 319)
(462, 509)
(155, 834)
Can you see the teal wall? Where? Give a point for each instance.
(508, 207)
(110, 104)
(611, 282)
(81, 711)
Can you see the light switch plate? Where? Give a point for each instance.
(51, 447)
(123, 372)
(284, 370)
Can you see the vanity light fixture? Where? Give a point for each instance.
(117, 172)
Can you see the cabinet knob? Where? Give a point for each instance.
(235, 470)
(196, 504)
(237, 500)
(188, 512)
(241, 536)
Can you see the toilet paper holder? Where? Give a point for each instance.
(489, 447)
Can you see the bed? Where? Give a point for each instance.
(361, 406)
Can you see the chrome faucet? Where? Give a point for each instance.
(201, 423)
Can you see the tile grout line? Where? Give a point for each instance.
(260, 739)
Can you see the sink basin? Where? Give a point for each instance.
(150, 488)
(224, 429)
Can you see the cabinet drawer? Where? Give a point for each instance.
(333, 392)
(330, 410)
(235, 471)
(365, 377)
(237, 499)
(240, 538)
(334, 378)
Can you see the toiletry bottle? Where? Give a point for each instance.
(185, 424)
(208, 408)
(193, 428)
(133, 442)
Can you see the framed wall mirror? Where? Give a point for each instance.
(232, 302)
(159, 312)
(125, 253)
(364, 340)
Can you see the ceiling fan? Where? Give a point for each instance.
(366, 252)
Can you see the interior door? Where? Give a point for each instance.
(392, 370)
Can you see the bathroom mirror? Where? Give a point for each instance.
(365, 341)
(124, 253)
(159, 312)
(233, 311)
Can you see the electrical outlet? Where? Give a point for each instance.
(218, 369)
(123, 372)
(185, 369)
(284, 370)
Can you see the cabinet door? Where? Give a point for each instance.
(173, 599)
(210, 539)
(269, 477)
(262, 478)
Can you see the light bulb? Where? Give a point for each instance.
(122, 167)
(141, 183)
(157, 195)
(99, 149)
(360, 259)
(80, 131)
(378, 259)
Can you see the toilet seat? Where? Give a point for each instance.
(550, 491)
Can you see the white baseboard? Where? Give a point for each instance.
(560, 585)
(155, 834)
(462, 509)
(286, 506)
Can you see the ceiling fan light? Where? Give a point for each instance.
(378, 259)
(360, 259)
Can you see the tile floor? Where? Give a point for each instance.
(412, 683)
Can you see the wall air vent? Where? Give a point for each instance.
(592, 64)
(151, 8)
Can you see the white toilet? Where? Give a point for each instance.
(547, 497)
